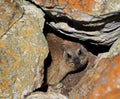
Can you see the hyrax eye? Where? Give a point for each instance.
(68, 55)
(79, 52)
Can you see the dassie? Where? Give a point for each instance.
(67, 56)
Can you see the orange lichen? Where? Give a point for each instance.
(108, 85)
(75, 96)
(26, 32)
(4, 83)
(80, 5)
(114, 94)
(16, 65)
(102, 82)
(17, 60)
(61, 2)
(25, 47)
(1, 62)
(72, 1)
(95, 76)
(6, 71)
(117, 60)
(2, 44)
(8, 1)
(38, 0)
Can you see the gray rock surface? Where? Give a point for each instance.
(23, 49)
(95, 21)
(50, 95)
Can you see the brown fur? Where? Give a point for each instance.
(66, 56)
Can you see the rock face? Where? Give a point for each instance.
(103, 80)
(96, 21)
(10, 12)
(23, 49)
(74, 8)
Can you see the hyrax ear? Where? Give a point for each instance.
(63, 47)
(64, 50)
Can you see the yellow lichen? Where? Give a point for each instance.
(6, 71)
(2, 44)
(25, 47)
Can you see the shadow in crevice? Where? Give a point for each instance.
(94, 49)
(47, 63)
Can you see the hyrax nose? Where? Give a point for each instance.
(76, 61)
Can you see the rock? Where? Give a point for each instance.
(77, 9)
(10, 12)
(115, 48)
(103, 80)
(23, 49)
(95, 21)
(107, 84)
(41, 95)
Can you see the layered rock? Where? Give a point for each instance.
(23, 47)
(95, 21)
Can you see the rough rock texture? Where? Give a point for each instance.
(96, 21)
(103, 81)
(23, 49)
(50, 95)
(108, 84)
(75, 7)
(10, 12)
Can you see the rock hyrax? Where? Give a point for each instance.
(67, 56)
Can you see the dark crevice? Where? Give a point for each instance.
(90, 26)
(85, 25)
(94, 49)
(78, 25)
(47, 63)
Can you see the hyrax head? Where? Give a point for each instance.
(75, 55)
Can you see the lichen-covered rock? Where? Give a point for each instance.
(96, 21)
(49, 95)
(23, 49)
(102, 81)
(74, 8)
(10, 12)
(107, 83)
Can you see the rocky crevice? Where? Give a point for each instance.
(24, 48)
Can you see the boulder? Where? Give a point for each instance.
(23, 49)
